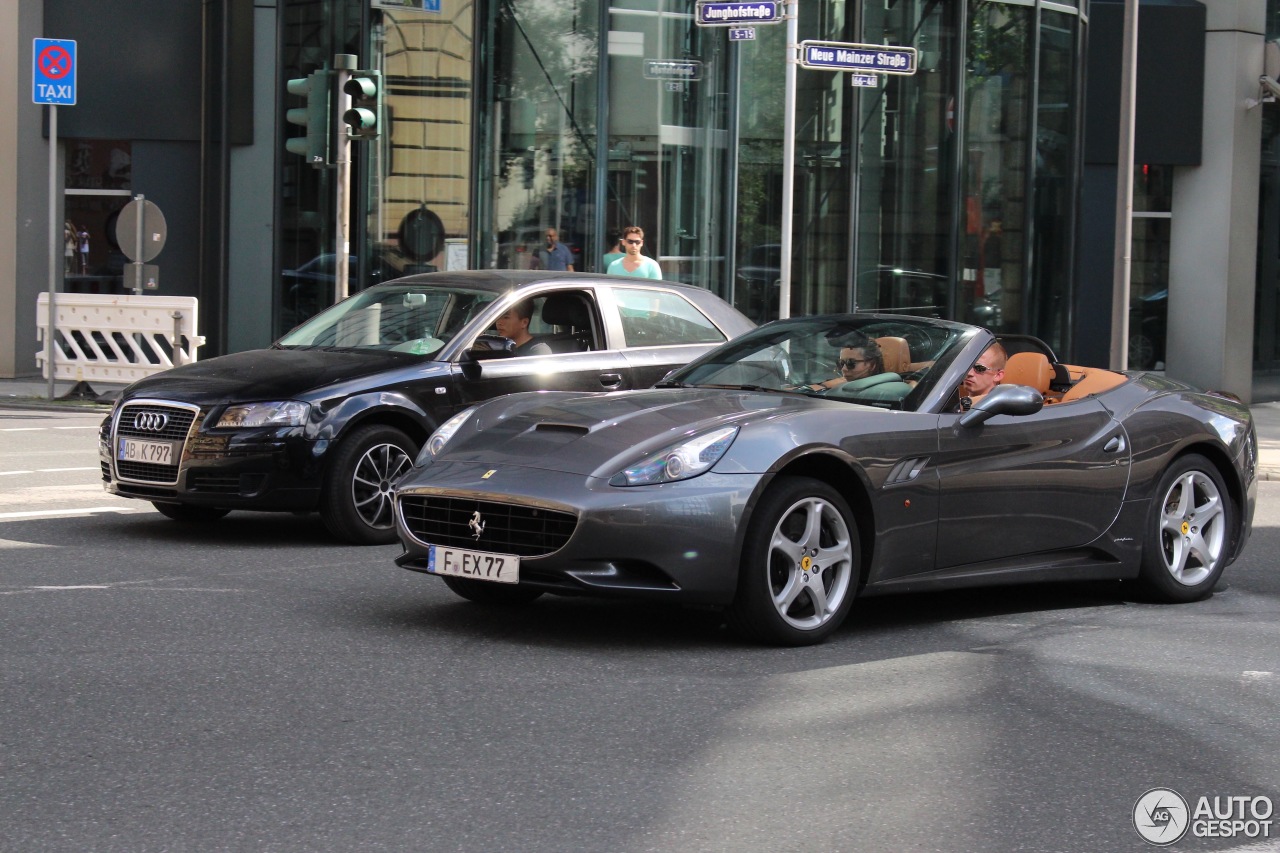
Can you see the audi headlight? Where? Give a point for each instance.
(284, 413)
(440, 438)
(690, 458)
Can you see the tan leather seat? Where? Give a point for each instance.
(1031, 369)
(896, 355)
(1094, 381)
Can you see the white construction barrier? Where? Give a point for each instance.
(116, 338)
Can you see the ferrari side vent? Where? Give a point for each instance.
(906, 471)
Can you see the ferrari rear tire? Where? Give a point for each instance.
(800, 565)
(357, 502)
(1189, 532)
(189, 513)
(488, 592)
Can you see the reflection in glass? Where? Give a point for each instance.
(995, 165)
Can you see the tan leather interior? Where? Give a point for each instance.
(1094, 381)
(1031, 369)
(896, 354)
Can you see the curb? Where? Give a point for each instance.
(57, 405)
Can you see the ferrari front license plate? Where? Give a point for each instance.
(155, 452)
(476, 565)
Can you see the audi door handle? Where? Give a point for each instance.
(612, 381)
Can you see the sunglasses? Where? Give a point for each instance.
(981, 369)
(853, 362)
(635, 242)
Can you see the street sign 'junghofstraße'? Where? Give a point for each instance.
(735, 14)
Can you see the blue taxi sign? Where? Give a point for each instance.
(53, 72)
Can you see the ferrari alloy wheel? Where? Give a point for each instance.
(356, 505)
(487, 592)
(799, 564)
(189, 513)
(1190, 533)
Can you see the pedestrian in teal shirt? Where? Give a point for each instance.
(634, 263)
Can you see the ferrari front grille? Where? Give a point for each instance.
(501, 528)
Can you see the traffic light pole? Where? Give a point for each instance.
(344, 64)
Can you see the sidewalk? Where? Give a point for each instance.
(34, 394)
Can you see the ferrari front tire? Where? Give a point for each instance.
(488, 592)
(1189, 532)
(800, 563)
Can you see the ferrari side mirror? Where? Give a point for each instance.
(1016, 400)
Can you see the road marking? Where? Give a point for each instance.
(10, 473)
(52, 513)
(46, 471)
(94, 426)
(6, 544)
(21, 429)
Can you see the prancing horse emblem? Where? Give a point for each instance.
(476, 525)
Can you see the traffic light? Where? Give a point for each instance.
(364, 119)
(314, 117)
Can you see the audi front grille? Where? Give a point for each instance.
(152, 421)
(525, 531)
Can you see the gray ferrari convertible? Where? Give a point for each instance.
(765, 478)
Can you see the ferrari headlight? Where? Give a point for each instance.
(281, 413)
(441, 437)
(688, 459)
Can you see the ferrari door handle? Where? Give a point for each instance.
(612, 381)
(1115, 445)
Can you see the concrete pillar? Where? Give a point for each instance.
(24, 190)
(1213, 242)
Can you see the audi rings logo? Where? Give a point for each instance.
(150, 421)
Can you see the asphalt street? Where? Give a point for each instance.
(252, 685)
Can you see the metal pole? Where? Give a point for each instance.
(1124, 191)
(51, 329)
(344, 64)
(788, 159)
(139, 221)
(178, 360)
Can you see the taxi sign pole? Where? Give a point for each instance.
(788, 158)
(51, 327)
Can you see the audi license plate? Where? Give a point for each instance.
(476, 565)
(154, 452)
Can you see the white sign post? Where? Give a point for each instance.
(53, 82)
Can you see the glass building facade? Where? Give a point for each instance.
(948, 192)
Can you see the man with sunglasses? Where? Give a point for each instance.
(986, 373)
(634, 263)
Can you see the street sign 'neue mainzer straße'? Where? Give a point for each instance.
(876, 58)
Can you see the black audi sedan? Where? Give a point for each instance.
(330, 415)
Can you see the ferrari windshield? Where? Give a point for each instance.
(874, 360)
(414, 319)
